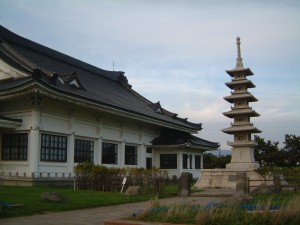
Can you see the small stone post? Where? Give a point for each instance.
(184, 184)
(277, 185)
(242, 185)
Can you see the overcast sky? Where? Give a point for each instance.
(176, 52)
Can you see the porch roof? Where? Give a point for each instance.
(181, 139)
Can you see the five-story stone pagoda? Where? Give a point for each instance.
(241, 128)
(242, 147)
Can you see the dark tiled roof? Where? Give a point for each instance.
(169, 138)
(109, 88)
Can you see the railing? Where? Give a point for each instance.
(277, 183)
(36, 179)
(36, 175)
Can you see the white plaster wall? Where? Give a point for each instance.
(74, 122)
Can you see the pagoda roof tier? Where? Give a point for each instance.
(235, 112)
(245, 96)
(238, 129)
(239, 70)
(245, 82)
(242, 143)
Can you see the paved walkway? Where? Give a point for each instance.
(97, 216)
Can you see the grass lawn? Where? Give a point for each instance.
(31, 198)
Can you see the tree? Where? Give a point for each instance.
(212, 161)
(292, 149)
(268, 153)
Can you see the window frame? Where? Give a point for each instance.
(170, 163)
(19, 149)
(191, 162)
(54, 148)
(185, 158)
(197, 162)
(109, 155)
(149, 150)
(82, 153)
(131, 158)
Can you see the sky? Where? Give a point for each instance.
(176, 52)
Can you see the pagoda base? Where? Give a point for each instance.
(242, 158)
(226, 178)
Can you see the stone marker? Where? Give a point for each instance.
(184, 184)
(242, 183)
(133, 190)
(277, 185)
(52, 197)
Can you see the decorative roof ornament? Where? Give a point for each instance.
(239, 60)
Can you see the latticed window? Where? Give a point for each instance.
(84, 151)
(197, 162)
(53, 148)
(168, 161)
(14, 146)
(185, 161)
(148, 150)
(109, 153)
(131, 155)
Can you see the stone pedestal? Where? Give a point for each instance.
(242, 158)
(225, 178)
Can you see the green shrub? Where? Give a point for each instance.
(89, 176)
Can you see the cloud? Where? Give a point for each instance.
(176, 52)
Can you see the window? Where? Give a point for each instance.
(185, 161)
(84, 151)
(148, 150)
(109, 153)
(14, 146)
(191, 162)
(131, 155)
(148, 163)
(197, 162)
(168, 161)
(53, 148)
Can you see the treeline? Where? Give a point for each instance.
(211, 161)
(267, 153)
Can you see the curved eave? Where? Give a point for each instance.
(38, 87)
(245, 71)
(233, 113)
(248, 97)
(246, 83)
(185, 146)
(239, 129)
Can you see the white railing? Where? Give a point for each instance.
(16, 174)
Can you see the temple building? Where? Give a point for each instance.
(57, 111)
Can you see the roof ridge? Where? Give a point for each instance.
(10, 36)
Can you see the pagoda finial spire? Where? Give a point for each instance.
(239, 60)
